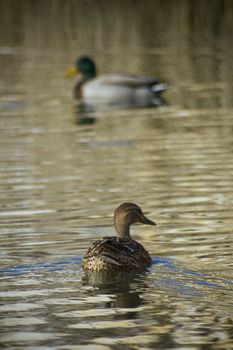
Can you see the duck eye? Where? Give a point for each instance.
(138, 211)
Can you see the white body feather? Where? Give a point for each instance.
(122, 90)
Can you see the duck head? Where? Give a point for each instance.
(83, 65)
(127, 214)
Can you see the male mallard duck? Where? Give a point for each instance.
(121, 252)
(114, 90)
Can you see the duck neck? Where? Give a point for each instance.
(122, 230)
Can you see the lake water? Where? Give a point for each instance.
(61, 177)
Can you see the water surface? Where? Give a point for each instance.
(60, 180)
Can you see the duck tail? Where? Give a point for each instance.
(156, 88)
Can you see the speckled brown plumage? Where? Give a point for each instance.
(121, 252)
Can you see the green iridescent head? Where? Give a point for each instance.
(85, 66)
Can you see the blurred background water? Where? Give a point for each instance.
(60, 180)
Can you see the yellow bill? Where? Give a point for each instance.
(71, 72)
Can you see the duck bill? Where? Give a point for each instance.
(147, 221)
(71, 72)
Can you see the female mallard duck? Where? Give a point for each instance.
(114, 90)
(121, 252)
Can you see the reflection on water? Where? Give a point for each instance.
(166, 305)
(60, 183)
(63, 173)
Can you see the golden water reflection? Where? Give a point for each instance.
(62, 178)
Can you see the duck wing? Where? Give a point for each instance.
(127, 80)
(132, 82)
(119, 252)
